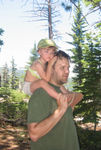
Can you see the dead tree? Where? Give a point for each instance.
(46, 11)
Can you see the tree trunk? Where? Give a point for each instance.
(50, 20)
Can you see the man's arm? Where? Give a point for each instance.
(37, 130)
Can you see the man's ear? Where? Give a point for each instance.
(52, 70)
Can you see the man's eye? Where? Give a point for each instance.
(62, 68)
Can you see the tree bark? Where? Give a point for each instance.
(50, 20)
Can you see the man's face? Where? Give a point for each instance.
(61, 71)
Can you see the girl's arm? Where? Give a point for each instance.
(49, 68)
(64, 90)
(45, 74)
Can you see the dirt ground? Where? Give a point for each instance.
(16, 138)
(13, 138)
(90, 126)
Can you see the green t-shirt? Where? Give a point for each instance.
(63, 136)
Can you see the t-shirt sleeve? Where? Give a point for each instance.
(38, 107)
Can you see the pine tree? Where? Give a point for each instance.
(5, 76)
(1, 41)
(14, 78)
(78, 35)
(34, 55)
(87, 60)
(92, 83)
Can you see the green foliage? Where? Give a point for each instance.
(16, 96)
(92, 83)
(5, 76)
(14, 111)
(4, 92)
(1, 32)
(34, 55)
(78, 36)
(13, 107)
(94, 6)
(87, 60)
(14, 81)
(89, 140)
(93, 3)
(67, 5)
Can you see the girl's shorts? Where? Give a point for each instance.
(26, 88)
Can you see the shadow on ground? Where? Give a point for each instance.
(14, 138)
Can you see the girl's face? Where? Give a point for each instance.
(46, 53)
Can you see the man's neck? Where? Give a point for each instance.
(54, 83)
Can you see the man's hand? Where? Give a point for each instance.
(70, 97)
(73, 98)
(62, 102)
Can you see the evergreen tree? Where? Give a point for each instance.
(94, 5)
(34, 55)
(5, 76)
(68, 4)
(87, 60)
(0, 80)
(92, 82)
(14, 78)
(1, 41)
(78, 36)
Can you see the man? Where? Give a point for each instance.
(50, 122)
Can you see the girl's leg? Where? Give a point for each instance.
(64, 90)
(43, 84)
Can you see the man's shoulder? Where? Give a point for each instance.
(40, 98)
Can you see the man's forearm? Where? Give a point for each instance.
(37, 130)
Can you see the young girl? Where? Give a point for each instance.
(38, 75)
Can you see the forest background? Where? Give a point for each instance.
(80, 36)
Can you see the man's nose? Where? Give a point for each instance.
(66, 71)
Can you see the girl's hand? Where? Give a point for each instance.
(52, 61)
